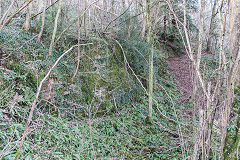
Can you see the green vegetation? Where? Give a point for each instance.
(112, 125)
(118, 79)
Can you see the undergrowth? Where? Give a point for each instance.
(101, 114)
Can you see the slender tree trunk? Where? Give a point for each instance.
(28, 18)
(55, 28)
(234, 21)
(65, 16)
(201, 130)
(144, 19)
(43, 21)
(209, 40)
(105, 5)
(112, 8)
(164, 27)
(150, 79)
(78, 51)
(85, 17)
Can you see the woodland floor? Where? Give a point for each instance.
(180, 67)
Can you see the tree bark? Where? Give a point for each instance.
(201, 130)
(211, 28)
(234, 21)
(78, 49)
(43, 21)
(150, 79)
(144, 19)
(28, 18)
(85, 17)
(55, 28)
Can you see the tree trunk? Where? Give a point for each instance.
(55, 28)
(40, 5)
(150, 79)
(85, 17)
(79, 36)
(201, 131)
(234, 21)
(211, 26)
(65, 15)
(43, 21)
(144, 19)
(28, 18)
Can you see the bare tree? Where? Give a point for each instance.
(149, 40)
(234, 21)
(211, 28)
(28, 18)
(43, 20)
(143, 4)
(85, 17)
(55, 28)
(78, 49)
(201, 128)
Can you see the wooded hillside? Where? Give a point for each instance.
(120, 79)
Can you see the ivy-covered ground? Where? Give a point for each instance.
(101, 115)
